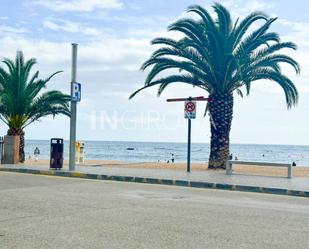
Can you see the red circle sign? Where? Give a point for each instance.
(190, 107)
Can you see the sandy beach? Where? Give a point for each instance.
(241, 169)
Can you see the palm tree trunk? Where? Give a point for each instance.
(221, 114)
(21, 134)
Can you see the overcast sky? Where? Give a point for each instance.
(113, 38)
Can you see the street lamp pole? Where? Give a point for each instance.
(73, 110)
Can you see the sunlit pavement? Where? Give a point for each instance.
(57, 212)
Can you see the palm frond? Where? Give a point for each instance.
(224, 19)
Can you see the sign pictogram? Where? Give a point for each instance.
(190, 109)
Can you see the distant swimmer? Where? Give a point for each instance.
(231, 156)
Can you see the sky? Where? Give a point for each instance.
(113, 39)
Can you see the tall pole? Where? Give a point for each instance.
(73, 111)
(189, 146)
(189, 142)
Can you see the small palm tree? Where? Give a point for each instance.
(20, 100)
(220, 57)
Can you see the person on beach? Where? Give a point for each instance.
(36, 154)
(173, 158)
(294, 164)
(236, 158)
(231, 156)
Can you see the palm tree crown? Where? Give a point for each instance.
(218, 55)
(21, 102)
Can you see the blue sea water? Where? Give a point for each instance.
(153, 151)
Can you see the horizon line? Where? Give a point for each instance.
(178, 142)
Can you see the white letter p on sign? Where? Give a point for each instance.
(76, 92)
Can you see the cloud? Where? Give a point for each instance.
(297, 31)
(12, 30)
(244, 7)
(79, 5)
(110, 59)
(148, 31)
(71, 27)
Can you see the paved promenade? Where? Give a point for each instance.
(296, 186)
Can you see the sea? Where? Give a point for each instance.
(161, 152)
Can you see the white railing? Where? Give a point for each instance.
(229, 165)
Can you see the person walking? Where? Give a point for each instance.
(36, 154)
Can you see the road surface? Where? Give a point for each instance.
(54, 212)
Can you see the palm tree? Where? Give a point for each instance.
(221, 57)
(20, 100)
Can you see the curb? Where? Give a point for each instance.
(149, 180)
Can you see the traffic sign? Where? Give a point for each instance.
(190, 109)
(76, 92)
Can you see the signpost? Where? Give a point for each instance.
(190, 113)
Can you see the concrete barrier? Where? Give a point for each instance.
(229, 165)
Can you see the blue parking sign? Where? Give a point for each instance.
(76, 92)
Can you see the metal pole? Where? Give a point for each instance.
(189, 146)
(1, 149)
(73, 111)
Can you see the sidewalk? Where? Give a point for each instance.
(297, 186)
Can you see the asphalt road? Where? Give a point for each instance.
(53, 212)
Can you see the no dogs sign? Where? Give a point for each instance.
(190, 109)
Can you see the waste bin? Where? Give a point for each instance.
(79, 152)
(56, 153)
